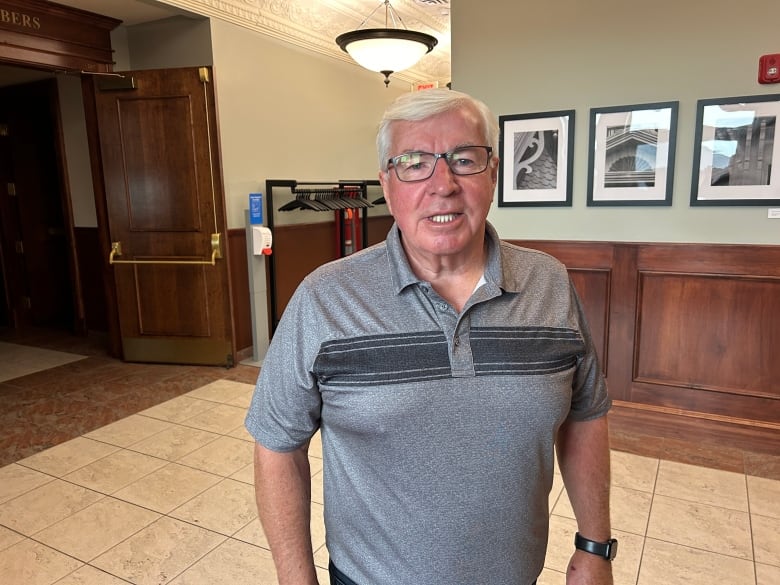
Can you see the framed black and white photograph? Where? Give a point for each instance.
(535, 153)
(631, 154)
(735, 152)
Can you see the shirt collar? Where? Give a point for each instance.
(401, 272)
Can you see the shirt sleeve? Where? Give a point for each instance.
(286, 404)
(590, 398)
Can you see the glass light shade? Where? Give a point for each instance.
(384, 49)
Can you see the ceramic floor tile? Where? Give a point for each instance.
(246, 474)
(128, 431)
(174, 442)
(223, 456)
(560, 545)
(764, 496)
(717, 530)
(317, 488)
(315, 445)
(68, 456)
(97, 528)
(673, 564)
(16, 479)
(698, 484)
(159, 552)
(321, 559)
(629, 509)
(240, 432)
(550, 577)
(32, 563)
(223, 391)
(45, 505)
(168, 487)
(317, 526)
(8, 537)
(222, 419)
(230, 563)
(315, 465)
(556, 492)
(322, 574)
(225, 508)
(767, 574)
(633, 471)
(243, 399)
(253, 533)
(766, 539)
(178, 409)
(115, 471)
(88, 575)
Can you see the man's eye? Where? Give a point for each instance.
(463, 162)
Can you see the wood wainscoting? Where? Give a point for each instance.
(688, 334)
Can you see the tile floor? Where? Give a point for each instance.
(165, 496)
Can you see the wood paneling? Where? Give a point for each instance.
(45, 34)
(299, 249)
(239, 275)
(717, 333)
(691, 330)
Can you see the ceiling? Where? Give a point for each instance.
(309, 24)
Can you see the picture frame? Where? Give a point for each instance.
(735, 151)
(536, 163)
(631, 154)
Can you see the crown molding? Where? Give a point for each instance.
(313, 26)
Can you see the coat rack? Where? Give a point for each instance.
(346, 199)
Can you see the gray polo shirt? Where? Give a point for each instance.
(437, 427)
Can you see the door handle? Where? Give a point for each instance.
(216, 252)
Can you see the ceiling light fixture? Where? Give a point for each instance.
(386, 50)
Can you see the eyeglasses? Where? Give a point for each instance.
(418, 166)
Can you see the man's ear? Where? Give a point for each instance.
(383, 176)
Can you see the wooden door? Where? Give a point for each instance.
(164, 205)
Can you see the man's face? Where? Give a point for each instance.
(443, 216)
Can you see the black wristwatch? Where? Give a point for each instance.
(606, 550)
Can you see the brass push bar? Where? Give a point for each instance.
(216, 252)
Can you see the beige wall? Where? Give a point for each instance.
(289, 114)
(572, 54)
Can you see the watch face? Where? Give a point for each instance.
(612, 546)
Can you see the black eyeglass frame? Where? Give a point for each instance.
(437, 156)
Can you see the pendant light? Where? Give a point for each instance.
(386, 50)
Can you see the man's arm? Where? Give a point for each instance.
(583, 457)
(283, 493)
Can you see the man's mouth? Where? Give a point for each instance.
(446, 218)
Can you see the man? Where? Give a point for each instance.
(442, 367)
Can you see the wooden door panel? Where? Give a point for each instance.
(165, 202)
(167, 199)
(173, 300)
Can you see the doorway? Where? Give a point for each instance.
(37, 252)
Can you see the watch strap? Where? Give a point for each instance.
(606, 550)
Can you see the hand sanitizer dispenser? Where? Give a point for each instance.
(262, 239)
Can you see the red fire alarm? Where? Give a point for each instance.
(769, 68)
